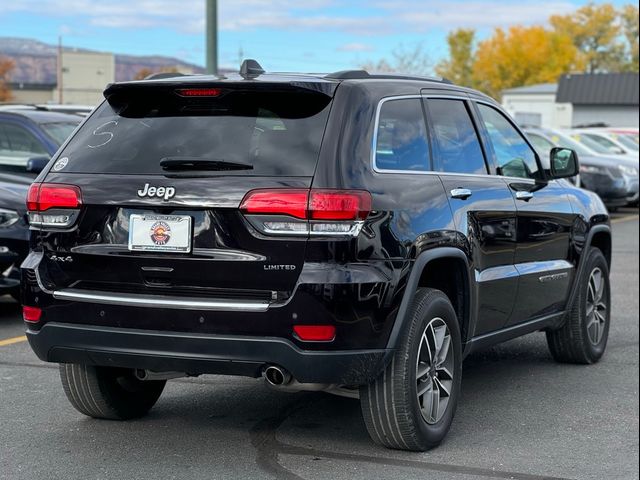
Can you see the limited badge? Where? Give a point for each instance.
(60, 164)
(160, 233)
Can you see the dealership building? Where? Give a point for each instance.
(577, 99)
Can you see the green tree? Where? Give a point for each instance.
(629, 21)
(521, 56)
(595, 32)
(459, 66)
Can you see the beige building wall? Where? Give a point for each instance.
(551, 114)
(85, 75)
(27, 94)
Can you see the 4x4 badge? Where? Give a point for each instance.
(161, 192)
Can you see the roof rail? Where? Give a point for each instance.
(363, 74)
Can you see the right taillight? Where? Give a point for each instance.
(315, 212)
(53, 205)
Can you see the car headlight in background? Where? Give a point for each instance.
(630, 171)
(8, 217)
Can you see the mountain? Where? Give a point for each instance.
(36, 61)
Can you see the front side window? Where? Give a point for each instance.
(514, 155)
(401, 139)
(458, 147)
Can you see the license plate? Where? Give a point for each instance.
(160, 233)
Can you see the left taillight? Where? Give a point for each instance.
(53, 205)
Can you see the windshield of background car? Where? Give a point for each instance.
(626, 141)
(590, 144)
(274, 133)
(568, 142)
(59, 131)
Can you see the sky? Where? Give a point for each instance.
(283, 35)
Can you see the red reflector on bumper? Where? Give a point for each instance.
(315, 333)
(31, 314)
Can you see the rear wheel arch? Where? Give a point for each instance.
(450, 275)
(599, 236)
(441, 269)
(602, 240)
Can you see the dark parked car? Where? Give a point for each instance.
(354, 233)
(613, 178)
(28, 138)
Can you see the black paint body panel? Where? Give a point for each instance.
(360, 285)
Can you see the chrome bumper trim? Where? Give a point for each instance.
(159, 301)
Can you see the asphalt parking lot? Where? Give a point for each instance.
(521, 416)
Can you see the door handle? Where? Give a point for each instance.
(524, 195)
(461, 193)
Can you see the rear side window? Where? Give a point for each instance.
(515, 157)
(456, 140)
(401, 137)
(272, 133)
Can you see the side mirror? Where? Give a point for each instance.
(616, 150)
(564, 163)
(37, 164)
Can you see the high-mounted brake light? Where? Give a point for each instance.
(53, 204)
(199, 92)
(317, 212)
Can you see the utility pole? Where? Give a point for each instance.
(212, 37)
(59, 70)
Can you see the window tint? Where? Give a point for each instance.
(276, 133)
(401, 142)
(17, 145)
(458, 147)
(515, 157)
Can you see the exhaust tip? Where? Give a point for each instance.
(276, 376)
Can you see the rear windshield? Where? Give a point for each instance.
(268, 133)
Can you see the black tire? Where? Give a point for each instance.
(109, 393)
(574, 342)
(390, 405)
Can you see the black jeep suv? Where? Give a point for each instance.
(354, 233)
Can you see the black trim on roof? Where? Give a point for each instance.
(598, 89)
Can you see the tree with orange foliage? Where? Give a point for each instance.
(595, 31)
(522, 56)
(145, 72)
(6, 65)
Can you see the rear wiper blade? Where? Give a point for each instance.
(197, 163)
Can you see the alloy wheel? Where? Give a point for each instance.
(596, 306)
(434, 370)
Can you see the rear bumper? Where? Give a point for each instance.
(200, 353)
